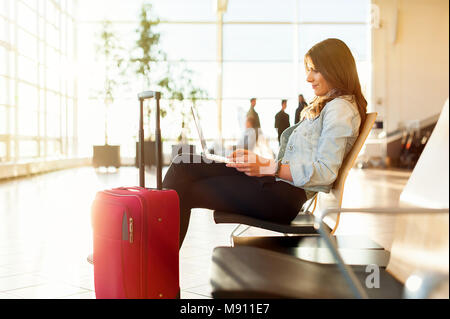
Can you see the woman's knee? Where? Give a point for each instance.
(187, 158)
(178, 170)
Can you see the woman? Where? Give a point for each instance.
(310, 155)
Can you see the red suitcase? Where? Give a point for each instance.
(136, 235)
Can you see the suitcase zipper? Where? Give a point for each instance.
(130, 230)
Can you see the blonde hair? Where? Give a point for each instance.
(333, 59)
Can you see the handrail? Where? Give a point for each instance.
(384, 210)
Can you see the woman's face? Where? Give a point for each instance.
(318, 82)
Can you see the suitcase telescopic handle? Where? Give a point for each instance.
(142, 97)
(146, 95)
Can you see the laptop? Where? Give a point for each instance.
(205, 153)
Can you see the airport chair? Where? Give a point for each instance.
(419, 261)
(303, 224)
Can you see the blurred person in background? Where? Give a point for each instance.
(250, 137)
(254, 140)
(282, 119)
(252, 113)
(301, 105)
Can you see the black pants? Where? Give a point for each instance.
(202, 184)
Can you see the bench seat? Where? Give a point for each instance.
(243, 272)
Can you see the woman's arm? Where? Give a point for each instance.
(340, 122)
(338, 126)
(255, 165)
(285, 172)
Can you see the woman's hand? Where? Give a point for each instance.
(251, 164)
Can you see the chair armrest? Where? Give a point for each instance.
(347, 271)
(383, 210)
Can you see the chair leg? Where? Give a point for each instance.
(232, 234)
(235, 230)
(311, 201)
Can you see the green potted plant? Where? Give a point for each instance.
(143, 58)
(109, 52)
(192, 94)
(176, 84)
(182, 94)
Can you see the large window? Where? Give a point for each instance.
(263, 44)
(50, 74)
(37, 83)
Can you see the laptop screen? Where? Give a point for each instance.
(199, 128)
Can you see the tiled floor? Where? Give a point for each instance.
(46, 235)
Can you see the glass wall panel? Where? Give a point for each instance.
(33, 4)
(258, 42)
(119, 10)
(4, 8)
(52, 35)
(53, 102)
(53, 148)
(188, 41)
(63, 119)
(42, 124)
(63, 38)
(33, 60)
(91, 125)
(261, 80)
(354, 35)
(203, 74)
(27, 44)
(326, 11)
(3, 152)
(70, 39)
(41, 7)
(4, 66)
(26, 17)
(70, 116)
(4, 91)
(53, 79)
(53, 125)
(70, 7)
(28, 99)
(12, 149)
(42, 28)
(7, 8)
(260, 10)
(52, 13)
(4, 29)
(27, 69)
(3, 119)
(28, 124)
(63, 5)
(181, 10)
(28, 149)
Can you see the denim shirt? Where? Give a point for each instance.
(315, 149)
